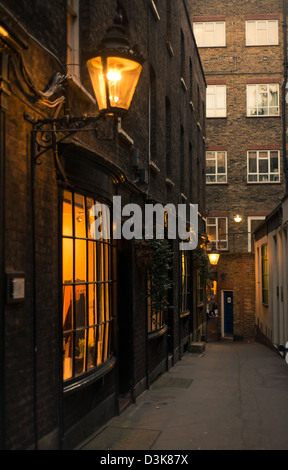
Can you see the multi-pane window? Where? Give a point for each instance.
(216, 101)
(185, 282)
(216, 167)
(210, 34)
(263, 100)
(88, 288)
(264, 273)
(262, 33)
(263, 166)
(73, 61)
(217, 232)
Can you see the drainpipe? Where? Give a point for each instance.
(4, 94)
(284, 92)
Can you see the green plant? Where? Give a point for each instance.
(202, 261)
(159, 281)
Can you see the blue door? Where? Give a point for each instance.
(228, 313)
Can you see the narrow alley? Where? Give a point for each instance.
(234, 396)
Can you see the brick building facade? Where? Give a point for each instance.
(241, 45)
(78, 343)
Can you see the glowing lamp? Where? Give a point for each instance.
(115, 69)
(214, 258)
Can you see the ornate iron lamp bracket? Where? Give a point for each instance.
(47, 134)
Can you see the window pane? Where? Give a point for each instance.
(80, 260)
(67, 214)
(272, 32)
(91, 348)
(92, 267)
(198, 31)
(222, 178)
(80, 306)
(80, 216)
(67, 356)
(92, 320)
(220, 97)
(263, 166)
(220, 34)
(250, 33)
(252, 178)
(252, 162)
(273, 95)
(221, 229)
(211, 167)
(67, 308)
(211, 232)
(221, 162)
(274, 162)
(211, 178)
(80, 352)
(67, 260)
(261, 33)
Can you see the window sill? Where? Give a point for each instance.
(264, 116)
(154, 10)
(262, 45)
(216, 183)
(185, 314)
(183, 83)
(74, 385)
(157, 333)
(216, 117)
(170, 182)
(170, 48)
(263, 182)
(154, 167)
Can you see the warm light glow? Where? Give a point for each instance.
(115, 87)
(214, 258)
(114, 76)
(3, 32)
(237, 218)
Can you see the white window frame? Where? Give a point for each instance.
(256, 22)
(250, 219)
(257, 173)
(218, 109)
(73, 48)
(210, 23)
(217, 174)
(218, 244)
(257, 85)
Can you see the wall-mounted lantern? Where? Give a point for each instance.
(115, 69)
(214, 258)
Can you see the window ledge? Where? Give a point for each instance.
(184, 86)
(213, 184)
(158, 333)
(264, 116)
(87, 379)
(154, 10)
(169, 182)
(216, 117)
(154, 166)
(263, 182)
(185, 314)
(170, 48)
(192, 105)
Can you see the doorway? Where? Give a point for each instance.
(227, 323)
